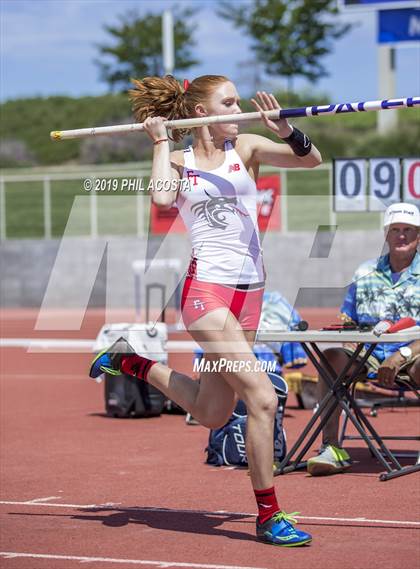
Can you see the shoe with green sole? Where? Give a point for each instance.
(330, 460)
(109, 360)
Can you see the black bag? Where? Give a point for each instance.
(126, 396)
(227, 444)
(173, 408)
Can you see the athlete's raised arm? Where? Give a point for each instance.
(166, 175)
(298, 152)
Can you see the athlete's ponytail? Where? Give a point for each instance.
(165, 97)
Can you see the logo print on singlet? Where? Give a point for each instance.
(198, 304)
(193, 175)
(213, 210)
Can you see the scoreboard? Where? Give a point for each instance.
(363, 184)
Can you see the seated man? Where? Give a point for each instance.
(387, 288)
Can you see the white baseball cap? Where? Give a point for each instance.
(402, 213)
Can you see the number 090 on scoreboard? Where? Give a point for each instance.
(372, 185)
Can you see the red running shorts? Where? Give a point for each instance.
(200, 298)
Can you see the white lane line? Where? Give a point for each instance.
(161, 564)
(62, 345)
(32, 376)
(75, 506)
(38, 500)
(360, 519)
(47, 343)
(112, 506)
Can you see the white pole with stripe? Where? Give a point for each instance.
(312, 111)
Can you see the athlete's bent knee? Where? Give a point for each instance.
(213, 422)
(263, 405)
(213, 419)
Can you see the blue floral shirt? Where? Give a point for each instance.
(374, 296)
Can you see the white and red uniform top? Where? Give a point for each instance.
(220, 213)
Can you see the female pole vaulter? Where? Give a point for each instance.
(223, 289)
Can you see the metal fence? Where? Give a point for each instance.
(37, 204)
(27, 184)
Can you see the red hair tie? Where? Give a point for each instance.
(186, 84)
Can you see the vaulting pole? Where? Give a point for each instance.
(313, 111)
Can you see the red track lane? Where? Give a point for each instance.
(56, 443)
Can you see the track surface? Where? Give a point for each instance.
(77, 487)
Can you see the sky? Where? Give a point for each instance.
(48, 47)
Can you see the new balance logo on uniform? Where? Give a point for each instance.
(234, 168)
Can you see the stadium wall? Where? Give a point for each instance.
(310, 269)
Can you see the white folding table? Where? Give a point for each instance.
(339, 392)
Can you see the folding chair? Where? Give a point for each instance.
(400, 400)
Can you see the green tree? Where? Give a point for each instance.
(290, 37)
(137, 47)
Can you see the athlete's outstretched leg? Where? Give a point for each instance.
(212, 400)
(256, 390)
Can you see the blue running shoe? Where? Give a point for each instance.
(109, 360)
(279, 530)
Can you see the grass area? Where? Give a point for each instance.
(24, 210)
(117, 214)
(126, 213)
(308, 199)
(63, 194)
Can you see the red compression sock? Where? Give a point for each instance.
(267, 504)
(137, 366)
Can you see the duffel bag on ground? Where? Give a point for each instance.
(126, 396)
(227, 444)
